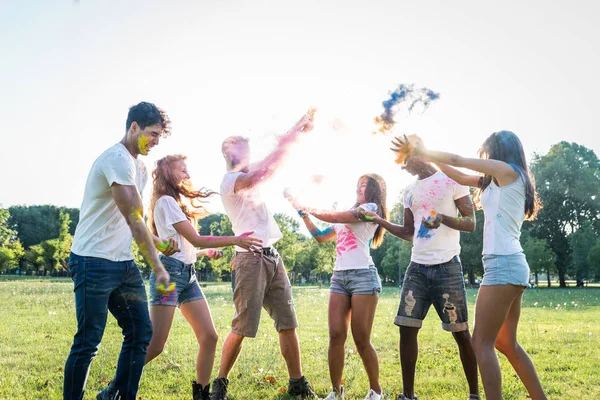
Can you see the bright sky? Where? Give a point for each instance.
(70, 70)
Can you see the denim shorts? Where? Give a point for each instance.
(443, 286)
(509, 269)
(187, 287)
(356, 281)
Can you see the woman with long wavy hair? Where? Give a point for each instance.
(175, 208)
(355, 284)
(507, 196)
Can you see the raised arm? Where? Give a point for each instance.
(129, 203)
(245, 240)
(267, 167)
(459, 176)
(500, 170)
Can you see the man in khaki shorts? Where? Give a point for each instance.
(260, 277)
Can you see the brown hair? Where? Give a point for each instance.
(376, 192)
(505, 146)
(165, 184)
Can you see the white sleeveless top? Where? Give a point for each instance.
(504, 211)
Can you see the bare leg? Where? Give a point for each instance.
(231, 351)
(363, 313)
(491, 310)
(162, 319)
(409, 352)
(468, 359)
(507, 344)
(339, 320)
(290, 349)
(198, 315)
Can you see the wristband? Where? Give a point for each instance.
(302, 213)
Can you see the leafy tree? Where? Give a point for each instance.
(288, 246)
(34, 258)
(540, 257)
(593, 260)
(471, 244)
(581, 242)
(6, 233)
(568, 182)
(35, 224)
(10, 255)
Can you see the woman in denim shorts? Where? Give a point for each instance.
(175, 208)
(507, 196)
(355, 284)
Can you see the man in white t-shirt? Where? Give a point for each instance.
(432, 222)
(101, 262)
(260, 277)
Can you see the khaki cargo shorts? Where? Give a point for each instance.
(261, 281)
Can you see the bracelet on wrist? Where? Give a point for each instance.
(302, 213)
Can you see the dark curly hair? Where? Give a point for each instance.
(146, 114)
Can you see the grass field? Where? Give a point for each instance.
(559, 328)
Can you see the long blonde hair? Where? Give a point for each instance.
(165, 184)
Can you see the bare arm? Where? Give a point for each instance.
(129, 203)
(320, 236)
(266, 168)
(458, 176)
(405, 232)
(185, 229)
(464, 223)
(335, 217)
(500, 170)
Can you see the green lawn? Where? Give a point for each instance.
(559, 328)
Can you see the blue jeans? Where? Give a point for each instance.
(187, 287)
(443, 286)
(100, 286)
(356, 281)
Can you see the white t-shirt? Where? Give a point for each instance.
(504, 211)
(248, 212)
(435, 193)
(167, 213)
(353, 242)
(102, 230)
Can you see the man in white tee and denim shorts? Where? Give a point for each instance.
(434, 276)
(260, 277)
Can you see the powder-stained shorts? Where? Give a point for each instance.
(261, 281)
(511, 269)
(356, 281)
(186, 284)
(443, 286)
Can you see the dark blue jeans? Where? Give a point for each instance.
(101, 286)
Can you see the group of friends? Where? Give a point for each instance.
(437, 207)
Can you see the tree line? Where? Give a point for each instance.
(562, 242)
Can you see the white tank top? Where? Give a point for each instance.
(504, 211)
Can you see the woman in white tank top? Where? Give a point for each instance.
(507, 196)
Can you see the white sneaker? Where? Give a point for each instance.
(372, 395)
(335, 396)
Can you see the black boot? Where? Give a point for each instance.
(219, 390)
(199, 392)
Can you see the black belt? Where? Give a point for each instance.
(267, 251)
(455, 259)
